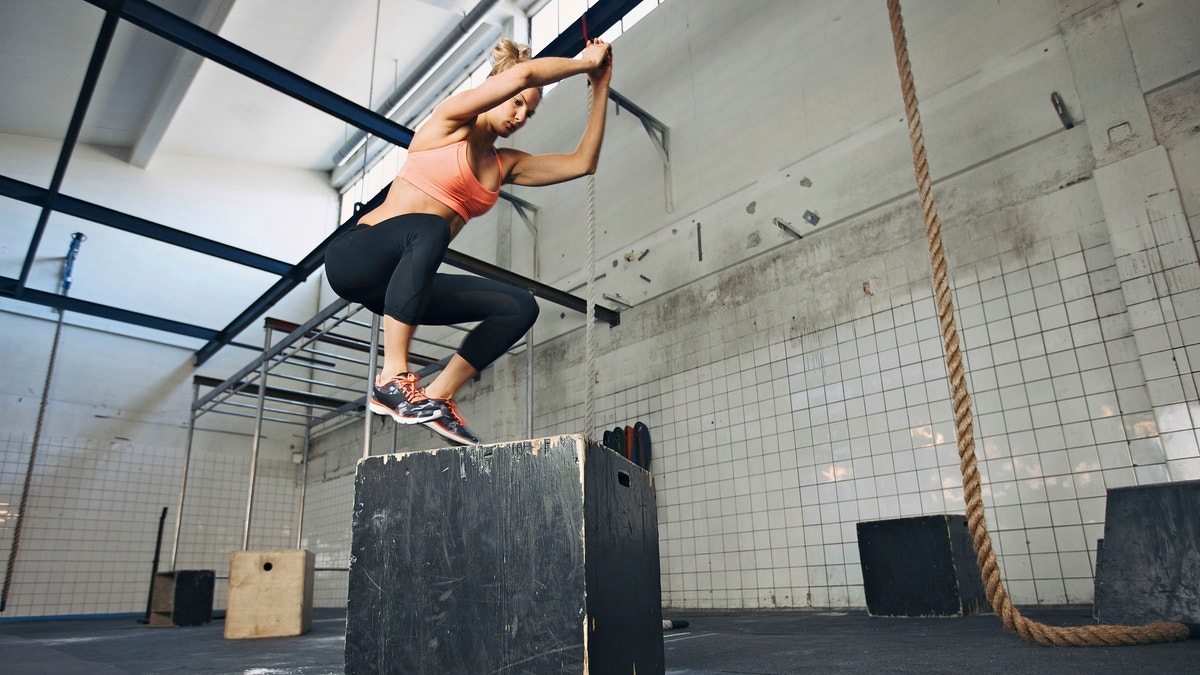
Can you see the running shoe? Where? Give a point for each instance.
(404, 400)
(451, 425)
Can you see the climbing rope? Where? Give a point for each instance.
(589, 390)
(1013, 620)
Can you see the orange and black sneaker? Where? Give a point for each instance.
(404, 400)
(451, 425)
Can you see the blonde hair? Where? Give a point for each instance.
(507, 54)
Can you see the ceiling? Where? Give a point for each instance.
(153, 96)
(187, 77)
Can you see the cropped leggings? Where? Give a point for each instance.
(391, 269)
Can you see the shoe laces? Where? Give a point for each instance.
(408, 385)
(452, 407)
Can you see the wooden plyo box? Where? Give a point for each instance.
(535, 556)
(1150, 568)
(921, 566)
(270, 594)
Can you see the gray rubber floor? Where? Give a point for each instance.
(715, 642)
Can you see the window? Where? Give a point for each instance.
(546, 23)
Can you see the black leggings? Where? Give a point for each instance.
(391, 268)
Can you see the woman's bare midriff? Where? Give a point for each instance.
(403, 198)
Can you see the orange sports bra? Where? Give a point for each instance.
(445, 174)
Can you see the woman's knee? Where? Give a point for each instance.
(527, 308)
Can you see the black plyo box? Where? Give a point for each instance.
(182, 598)
(1150, 567)
(535, 556)
(922, 566)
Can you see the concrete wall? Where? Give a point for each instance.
(110, 454)
(795, 387)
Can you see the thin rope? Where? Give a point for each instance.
(1013, 620)
(589, 390)
(362, 183)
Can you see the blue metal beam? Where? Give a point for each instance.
(150, 17)
(8, 287)
(32, 194)
(188, 35)
(99, 53)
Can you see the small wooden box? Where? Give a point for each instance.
(270, 594)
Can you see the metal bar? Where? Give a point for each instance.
(275, 393)
(319, 383)
(265, 418)
(188, 35)
(371, 368)
(71, 206)
(303, 485)
(490, 271)
(529, 384)
(311, 263)
(258, 420)
(345, 341)
(317, 319)
(187, 461)
(103, 41)
(600, 17)
(8, 286)
(266, 409)
(418, 73)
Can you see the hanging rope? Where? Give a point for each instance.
(362, 183)
(589, 403)
(1013, 620)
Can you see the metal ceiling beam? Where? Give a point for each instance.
(188, 35)
(301, 271)
(32, 194)
(600, 17)
(66, 303)
(156, 20)
(103, 41)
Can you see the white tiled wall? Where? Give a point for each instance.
(90, 524)
(773, 439)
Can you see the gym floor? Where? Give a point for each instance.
(714, 642)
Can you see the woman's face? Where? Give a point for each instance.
(511, 115)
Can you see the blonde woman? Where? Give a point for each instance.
(388, 261)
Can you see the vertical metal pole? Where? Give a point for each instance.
(371, 366)
(529, 384)
(258, 423)
(76, 240)
(187, 462)
(303, 480)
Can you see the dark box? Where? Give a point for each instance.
(1150, 567)
(182, 598)
(921, 566)
(535, 556)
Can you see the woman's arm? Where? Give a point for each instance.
(532, 73)
(534, 170)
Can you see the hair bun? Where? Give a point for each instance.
(507, 54)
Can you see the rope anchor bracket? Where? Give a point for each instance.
(660, 136)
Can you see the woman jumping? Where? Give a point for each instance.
(388, 261)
